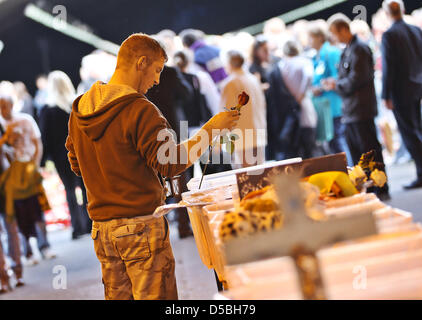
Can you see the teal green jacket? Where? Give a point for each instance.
(325, 66)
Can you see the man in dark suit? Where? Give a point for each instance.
(402, 81)
(355, 84)
(167, 96)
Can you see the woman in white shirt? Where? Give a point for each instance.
(252, 126)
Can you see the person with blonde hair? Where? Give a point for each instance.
(300, 33)
(121, 145)
(96, 66)
(10, 227)
(61, 92)
(361, 28)
(53, 121)
(24, 100)
(273, 30)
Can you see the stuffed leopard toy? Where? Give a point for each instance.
(259, 211)
(256, 212)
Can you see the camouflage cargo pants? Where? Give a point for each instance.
(136, 258)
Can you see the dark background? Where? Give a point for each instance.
(31, 48)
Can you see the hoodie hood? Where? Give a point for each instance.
(97, 108)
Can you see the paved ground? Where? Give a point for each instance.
(77, 259)
(411, 201)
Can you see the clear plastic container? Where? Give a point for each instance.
(229, 177)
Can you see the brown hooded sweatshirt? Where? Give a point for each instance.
(113, 144)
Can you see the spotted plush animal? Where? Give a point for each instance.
(253, 215)
(235, 224)
(259, 211)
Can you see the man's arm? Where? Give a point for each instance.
(72, 156)
(157, 145)
(361, 72)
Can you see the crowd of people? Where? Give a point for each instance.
(293, 66)
(315, 88)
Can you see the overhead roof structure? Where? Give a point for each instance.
(31, 47)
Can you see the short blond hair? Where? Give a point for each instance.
(138, 45)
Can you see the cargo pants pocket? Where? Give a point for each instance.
(131, 242)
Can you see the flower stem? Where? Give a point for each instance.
(205, 167)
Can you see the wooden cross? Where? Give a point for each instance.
(300, 237)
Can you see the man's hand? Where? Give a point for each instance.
(328, 84)
(224, 120)
(388, 104)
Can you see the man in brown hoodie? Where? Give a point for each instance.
(120, 143)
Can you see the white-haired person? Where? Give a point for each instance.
(9, 227)
(21, 184)
(53, 121)
(13, 243)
